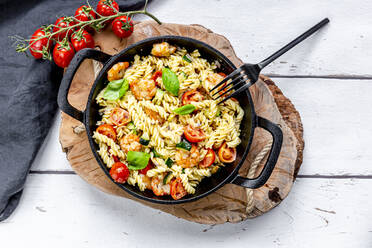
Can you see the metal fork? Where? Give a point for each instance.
(251, 72)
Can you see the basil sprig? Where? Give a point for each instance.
(137, 160)
(116, 89)
(170, 81)
(185, 109)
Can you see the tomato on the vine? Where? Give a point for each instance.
(119, 172)
(63, 22)
(63, 53)
(41, 46)
(85, 13)
(122, 26)
(107, 7)
(82, 39)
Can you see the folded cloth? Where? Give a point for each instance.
(28, 91)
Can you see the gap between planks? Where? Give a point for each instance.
(53, 172)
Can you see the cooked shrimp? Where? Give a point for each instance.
(146, 180)
(130, 142)
(187, 159)
(154, 115)
(158, 187)
(214, 79)
(117, 71)
(144, 89)
(162, 49)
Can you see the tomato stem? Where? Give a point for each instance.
(22, 44)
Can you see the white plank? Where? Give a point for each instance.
(258, 28)
(336, 117)
(64, 211)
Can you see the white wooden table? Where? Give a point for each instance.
(328, 78)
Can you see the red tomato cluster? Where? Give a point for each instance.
(76, 38)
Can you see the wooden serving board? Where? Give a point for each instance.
(231, 203)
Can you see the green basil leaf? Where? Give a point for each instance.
(184, 110)
(170, 81)
(116, 89)
(184, 144)
(137, 160)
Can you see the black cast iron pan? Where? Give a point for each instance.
(227, 174)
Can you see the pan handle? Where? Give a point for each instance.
(259, 181)
(79, 57)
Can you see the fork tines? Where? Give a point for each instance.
(238, 83)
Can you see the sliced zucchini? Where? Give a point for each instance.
(169, 162)
(168, 177)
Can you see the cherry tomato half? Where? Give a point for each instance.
(63, 54)
(226, 154)
(194, 134)
(156, 75)
(192, 96)
(146, 169)
(85, 13)
(119, 172)
(177, 190)
(108, 130)
(63, 22)
(104, 7)
(120, 116)
(37, 47)
(208, 159)
(222, 74)
(122, 26)
(82, 39)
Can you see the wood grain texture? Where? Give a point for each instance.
(65, 211)
(229, 203)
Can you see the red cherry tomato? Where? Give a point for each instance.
(63, 54)
(108, 130)
(156, 75)
(146, 169)
(85, 13)
(122, 26)
(226, 154)
(177, 190)
(82, 39)
(43, 44)
(116, 159)
(104, 7)
(194, 134)
(119, 172)
(208, 159)
(63, 22)
(120, 116)
(192, 96)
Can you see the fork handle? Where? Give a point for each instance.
(293, 43)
